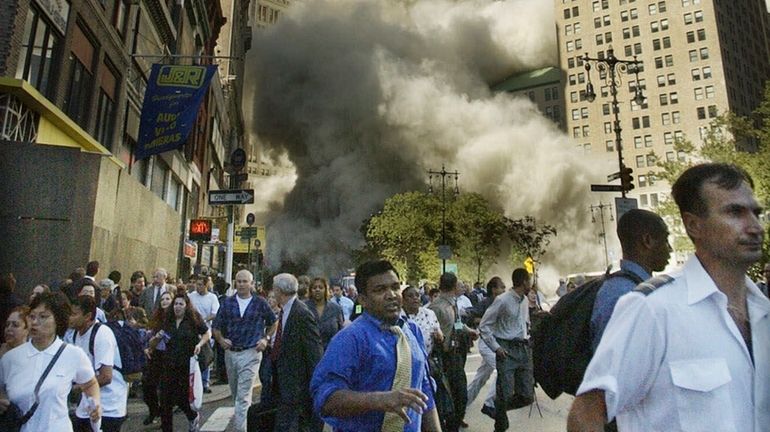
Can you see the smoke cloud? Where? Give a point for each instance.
(364, 96)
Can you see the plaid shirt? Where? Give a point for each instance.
(244, 331)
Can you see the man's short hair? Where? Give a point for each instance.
(493, 283)
(115, 276)
(87, 305)
(369, 269)
(285, 283)
(688, 188)
(447, 282)
(162, 271)
(245, 272)
(637, 222)
(519, 276)
(136, 275)
(92, 268)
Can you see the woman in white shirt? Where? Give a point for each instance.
(21, 368)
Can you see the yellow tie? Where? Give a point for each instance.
(402, 380)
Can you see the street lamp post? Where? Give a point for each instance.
(444, 174)
(613, 67)
(600, 208)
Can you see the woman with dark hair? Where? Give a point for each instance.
(22, 367)
(156, 360)
(185, 334)
(328, 314)
(16, 330)
(136, 317)
(8, 298)
(37, 290)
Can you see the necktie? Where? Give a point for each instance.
(402, 380)
(277, 341)
(155, 301)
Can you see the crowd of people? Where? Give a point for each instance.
(671, 353)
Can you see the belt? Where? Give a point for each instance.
(239, 349)
(515, 341)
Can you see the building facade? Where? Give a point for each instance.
(72, 79)
(543, 87)
(700, 59)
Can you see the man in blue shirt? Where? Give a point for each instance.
(358, 385)
(240, 327)
(345, 303)
(643, 238)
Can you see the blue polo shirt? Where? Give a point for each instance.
(608, 296)
(362, 358)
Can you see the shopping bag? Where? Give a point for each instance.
(196, 385)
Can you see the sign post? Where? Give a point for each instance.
(233, 196)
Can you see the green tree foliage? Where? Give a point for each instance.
(408, 232)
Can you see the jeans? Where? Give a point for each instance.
(515, 381)
(454, 369)
(242, 368)
(482, 375)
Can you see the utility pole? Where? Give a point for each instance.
(600, 208)
(444, 251)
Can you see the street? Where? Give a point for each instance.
(217, 413)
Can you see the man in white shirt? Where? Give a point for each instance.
(102, 349)
(207, 305)
(504, 329)
(679, 352)
(345, 303)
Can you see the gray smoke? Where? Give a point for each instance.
(364, 96)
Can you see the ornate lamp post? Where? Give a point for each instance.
(443, 249)
(614, 67)
(600, 209)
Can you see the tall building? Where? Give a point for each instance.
(701, 58)
(542, 87)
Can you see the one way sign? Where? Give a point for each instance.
(231, 196)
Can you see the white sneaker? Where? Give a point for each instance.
(195, 424)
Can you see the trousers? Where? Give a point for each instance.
(515, 380)
(242, 368)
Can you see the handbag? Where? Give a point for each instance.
(195, 394)
(13, 419)
(205, 356)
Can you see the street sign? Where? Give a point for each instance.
(248, 232)
(231, 196)
(622, 205)
(613, 176)
(445, 252)
(606, 188)
(250, 219)
(238, 159)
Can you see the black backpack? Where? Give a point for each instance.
(131, 346)
(561, 343)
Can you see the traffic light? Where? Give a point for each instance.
(626, 179)
(200, 230)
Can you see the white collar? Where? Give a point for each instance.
(51, 350)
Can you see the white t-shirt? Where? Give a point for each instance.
(243, 304)
(206, 305)
(21, 368)
(114, 395)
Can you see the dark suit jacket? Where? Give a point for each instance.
(299, 353)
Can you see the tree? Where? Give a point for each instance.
(478, 231)
(529, 239)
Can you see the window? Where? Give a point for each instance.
(584, 112)
(629, 50)
(572, 80)
(704, 53)
(637, 142)
(687, 18)
(570, 62)
(663, 99)
(624, 16)
(664, 24)
(578, 43)
(661, 80)
(642, 181)
(646, 121)
(599, 39)
(581, 78)
(578, 27)
(654, 27)
(41, 45)
(648, 140)
(673, 97)
(635, 30)
(668, 138)
(576, 132)
(690, 36)
(695, 74)
(607, 127)
(608, 37)
(701, 34)
(661, 6)
(653, 9)
(596, 6)
(678, 135)
(693, 55)
(643, 200)
(626, 33)
(698, 15)
(701, 113)
(640, 161)
(547, 94)
(567, 13)
(636, 123)
(158, 182)
(698, 93)
(651, 160)
(570, 46)
(667, 42)
(709, 92)
(637, 48)
(634, 14)
(120, 16)
(609, 145)
(670, 156)
(586, 131)
(706, 72)
(653, 200)
(671, 78)
(81, 81)
(658, 62)
(105, 115)
(606, 20)
(656, 45)
(712, 111)
(573, 96)
(665, 119)
(606, 109)
(669, 60)
(676, 117)
(597, 22)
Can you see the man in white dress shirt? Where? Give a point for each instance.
(679, 352)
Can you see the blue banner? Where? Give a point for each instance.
(171, 103)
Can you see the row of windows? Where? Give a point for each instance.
(577, 44)
(706, 92)
(699, 54)
(602, 21)
(643, 122)
(572, 28)
(670, 98)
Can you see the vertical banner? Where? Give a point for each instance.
(171, 103)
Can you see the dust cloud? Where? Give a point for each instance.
(364, 96)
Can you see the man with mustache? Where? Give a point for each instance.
(679, 351)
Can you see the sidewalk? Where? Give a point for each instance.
(218, 392)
